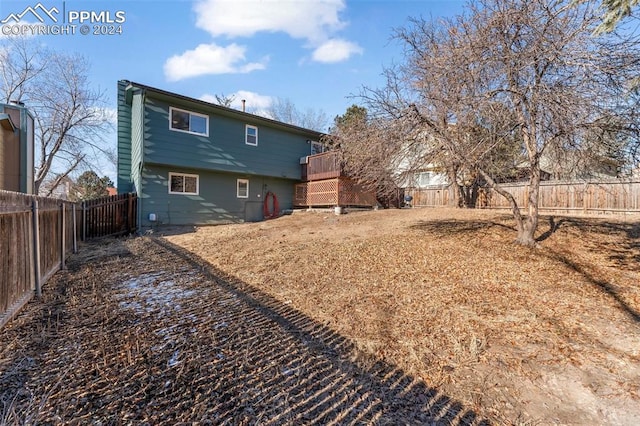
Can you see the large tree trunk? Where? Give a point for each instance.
(526, 234)
(526, 231)
(466, 196)
(525, 227)
(452, 174)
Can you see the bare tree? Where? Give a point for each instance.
(615, 11)
(284, 110)
(509, 78)
(70, 116)
(369, 152)
(225, 100)
(21, 62)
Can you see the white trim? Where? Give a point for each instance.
(238, 188)
(246, 134)
(206, 117)
(171, 174)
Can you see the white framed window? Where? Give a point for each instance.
(181, 183)
(424, 178)
(242, 188)
(181, 120)
(251, 135)
(316, 147)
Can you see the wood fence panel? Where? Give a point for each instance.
(68, 226)
(21, 258)
(612, 196)
(439, 196)
(112, 215)
(15, 225)
(16, 253)
(49, 223)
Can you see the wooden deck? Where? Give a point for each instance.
(339, 191)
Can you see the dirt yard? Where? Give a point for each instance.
(383, 317)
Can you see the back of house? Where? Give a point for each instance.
(192, 162)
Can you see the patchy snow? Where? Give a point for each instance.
(173, 361)
(153, 292)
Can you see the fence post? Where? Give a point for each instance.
(584, 197)
(84, 221)
(75, 229)
(36, 247)
(63, 237)
(129, 212)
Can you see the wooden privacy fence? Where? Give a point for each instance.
(114, 215)
(580, 197)
(37, 234)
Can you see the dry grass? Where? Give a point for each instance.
(141, 332)
(387, 317)
(549, 334)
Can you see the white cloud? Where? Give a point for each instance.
(255, 103)
(210, 59)
(312, 20)
(252, 99)
(209, 98)
(335, 50)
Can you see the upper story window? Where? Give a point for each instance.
(181, 183)
(251, 135)
(187, 121)
(317, 147)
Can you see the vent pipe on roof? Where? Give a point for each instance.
(16, 102)
(244, 101)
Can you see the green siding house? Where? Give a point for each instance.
(192, 162)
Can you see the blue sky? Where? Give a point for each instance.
(315, 53)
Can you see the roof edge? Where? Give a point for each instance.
(221, 108)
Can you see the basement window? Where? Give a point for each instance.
(188, 122)
(242, 189)
(180, 183)
(251, 135)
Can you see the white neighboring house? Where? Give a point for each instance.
(428, 178)
(62, 191)
(567, 166)
(410, 170)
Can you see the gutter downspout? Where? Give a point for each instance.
(141, 166)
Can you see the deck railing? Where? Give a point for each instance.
(327, 165)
